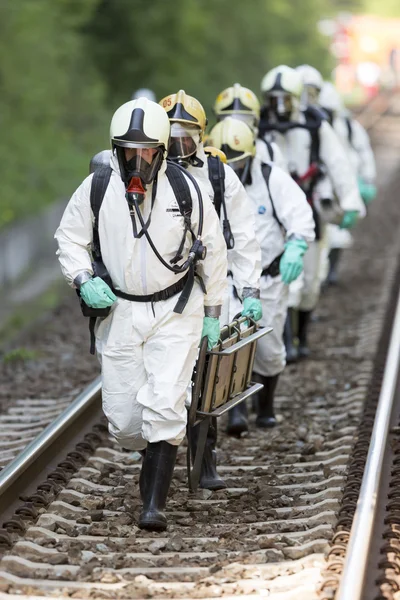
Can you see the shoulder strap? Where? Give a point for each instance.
(181, 190)
(100, 181)
(216, 175)
(314, 119)
(314, 148)
(266, 171)
(270, 148)
(349, 130)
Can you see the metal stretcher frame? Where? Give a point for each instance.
(221, 380)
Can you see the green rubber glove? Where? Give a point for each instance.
(349, 219)
(367, 191)
(291, 264)
(211, 331)
(252, 308)
(96, 293)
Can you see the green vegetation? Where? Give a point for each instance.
(20, 355)
(65, 66)
(51, 102)
(201, 46)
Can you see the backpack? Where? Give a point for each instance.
(216, 175)
(100, 181)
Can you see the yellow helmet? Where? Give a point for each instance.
(185, 109)
(215, 152)
(236, 101)
(234, 138)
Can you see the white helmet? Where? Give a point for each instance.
(310, 76)
(141, 125)
(330, 100)
(281, 89)
(144, 93)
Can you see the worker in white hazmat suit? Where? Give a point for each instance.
(307, 141)
(148, 344)
(241, 103)
(188, 121)
(356, 143)
(284, 228)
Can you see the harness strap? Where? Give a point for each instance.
(92, 324)
(266, 171)
(170, 291)
(100, 181)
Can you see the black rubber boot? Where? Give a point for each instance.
(209, 478)
(266, 417)
(291, 350)
(237, 420)
(157, 470)
(304, 320)
(334, 259)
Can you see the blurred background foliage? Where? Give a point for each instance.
(66, 65)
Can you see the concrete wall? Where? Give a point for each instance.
(25, 243)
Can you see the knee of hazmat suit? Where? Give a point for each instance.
(281, 213)
(188, 121)
(147, 349)
(306, 138)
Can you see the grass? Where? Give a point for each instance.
(20, 355)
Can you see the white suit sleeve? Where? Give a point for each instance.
(245, 258)
(215, 266)
(74, 234)
(362, 145)
(291, 205)
(339, 170)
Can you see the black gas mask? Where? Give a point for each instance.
(142, 162)
(139, 169)
(238, 162)
(280, 106)
(242, 168)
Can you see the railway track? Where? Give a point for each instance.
(276, 530)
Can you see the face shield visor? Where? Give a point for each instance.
(280, 105)
(311, 94)
(239, 162)
(141, 162)
(183, 143)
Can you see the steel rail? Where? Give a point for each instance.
(49, 446)
(352, 580)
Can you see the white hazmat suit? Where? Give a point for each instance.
(295, 145)
(244, 260)
(295, 215)
(147, 351)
